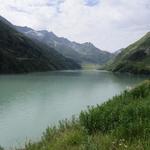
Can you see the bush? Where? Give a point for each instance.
(1, 148)
(119, 124)
(126, 116)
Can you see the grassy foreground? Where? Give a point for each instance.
(122, 123)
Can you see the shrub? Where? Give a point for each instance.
(126, 116)
(119, 124)
(1, 148)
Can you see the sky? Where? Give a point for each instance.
(109, 24)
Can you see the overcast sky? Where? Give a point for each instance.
(109, 24)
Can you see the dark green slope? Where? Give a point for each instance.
(133, 59)
(19, 54)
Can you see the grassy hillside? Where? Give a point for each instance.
(119, 124)
(19, 54)
(133, 59)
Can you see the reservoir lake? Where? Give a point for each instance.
(30, 103)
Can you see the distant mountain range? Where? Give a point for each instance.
(23, 49)
(20, 54)
(85, 53)
(133, 59)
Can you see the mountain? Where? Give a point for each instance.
(133, 59)
(85, 53)
(90, 53)
(118, 51)
(20, 54)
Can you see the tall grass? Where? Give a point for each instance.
(126, 116)
(121, 123)
(1, 148)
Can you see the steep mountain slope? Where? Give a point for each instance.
(118, 51)
(19, 54)
(134, 59)
(90, 53)
(81, 53)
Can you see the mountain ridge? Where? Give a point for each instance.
(133, 59)
(79, 52)
(20, 54)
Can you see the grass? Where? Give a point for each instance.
(126, 116)
(1, 148)
(90, 66)
(122, 123)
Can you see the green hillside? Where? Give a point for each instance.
(19, 54)
(122, 123)
(133, 59)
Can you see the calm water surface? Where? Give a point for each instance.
(29, 103)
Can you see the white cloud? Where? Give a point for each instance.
(110, 25)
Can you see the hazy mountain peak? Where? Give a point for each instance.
(148, 34)
(43, 31)
(23, 29)
(5, 21)
(81, 53)
(52, 33)
(118, 51)
(88, 43)
(19, 54)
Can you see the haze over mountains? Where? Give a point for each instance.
(23, 49)
(19, 54)
(85, 53)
